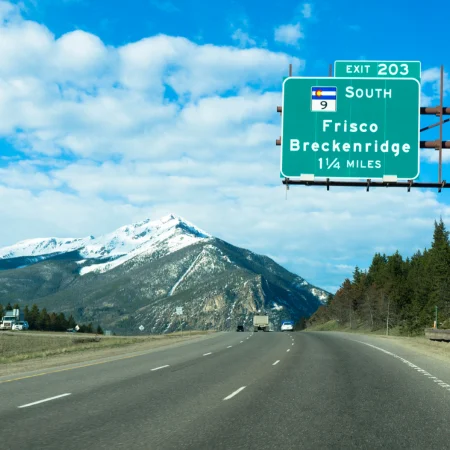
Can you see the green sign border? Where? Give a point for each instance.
(282, 175)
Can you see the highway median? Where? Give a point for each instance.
(22, 351)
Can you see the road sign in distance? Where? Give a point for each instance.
(141, 327)
(179, 310)
(371, 131)
(378, 69)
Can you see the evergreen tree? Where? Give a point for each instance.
(404, 290)
(439, 266)
(33, 317)
(9, 307)
(376, 272)
(26, 313)
(43, 320)
(61, 323)
(53, 322)
(357, 275)
(71, 322)
(99, 330)
(16, 306)
(1, 311)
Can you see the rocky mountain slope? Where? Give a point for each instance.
(140, 273)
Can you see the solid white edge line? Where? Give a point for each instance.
(161, 367)
(275, 363)
(234, 393)
(206, 354)
(409, 363)
(45, 400)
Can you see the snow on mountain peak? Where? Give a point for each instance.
(170, 233)
(41, 246)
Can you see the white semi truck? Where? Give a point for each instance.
(10, 319)
(261, 323)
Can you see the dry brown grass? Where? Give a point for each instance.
(22, 346)
(435, 349)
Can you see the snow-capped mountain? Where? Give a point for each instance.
(139, 273)
(166, 235)
(42, 247)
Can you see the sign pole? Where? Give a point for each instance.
(441, 107)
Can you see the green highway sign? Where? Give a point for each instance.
(378, 69)
(346, 128)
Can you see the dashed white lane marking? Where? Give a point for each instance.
(275, 363)
(410, 364)
(234, 393)
(229, 346)
(248, 338)
(161, 367)
(241, 342)
(206, 354)
(292, 343)
(288, 350)
(42, 401)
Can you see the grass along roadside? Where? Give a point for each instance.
(333, 325)
(21, 346)
(435, 349)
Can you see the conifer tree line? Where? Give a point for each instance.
(42, 320)
(396, 292)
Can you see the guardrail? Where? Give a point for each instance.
(435, 334)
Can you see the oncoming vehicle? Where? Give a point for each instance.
(240, 328)
(20, 326)
(287, 325)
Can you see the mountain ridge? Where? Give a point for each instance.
(174, 263)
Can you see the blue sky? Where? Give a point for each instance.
(113, 111)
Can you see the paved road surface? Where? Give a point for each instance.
(327, 391)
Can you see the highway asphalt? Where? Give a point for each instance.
(235, 391)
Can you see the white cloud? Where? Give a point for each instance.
(430, 82)
(432, 156)
(50, 213)
(166, 125)
(243, 38)
(289, 34)
(306, 10)
(26, 175)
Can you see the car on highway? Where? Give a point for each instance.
(240, 328)
(20, 326)
(287, 325)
